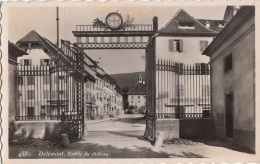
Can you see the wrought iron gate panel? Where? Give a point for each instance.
(182, 91)
(150, 90)
(73, 119)
(54, 91)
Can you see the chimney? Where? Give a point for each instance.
(143, 82)
(155, 24)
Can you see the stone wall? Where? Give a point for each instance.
(34, 130)
(185, 128)
(196, 128)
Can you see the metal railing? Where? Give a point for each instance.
(135, 27)
(182, 90)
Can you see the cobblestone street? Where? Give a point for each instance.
(122, 138)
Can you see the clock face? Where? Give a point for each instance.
(114, 20)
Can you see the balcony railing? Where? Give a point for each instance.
(136, 27)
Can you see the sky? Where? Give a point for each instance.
(23, 19)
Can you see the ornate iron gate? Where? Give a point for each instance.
(182, 91)
(73, 117)
(54, 90)
(115, 33)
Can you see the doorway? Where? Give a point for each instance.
(229, 109)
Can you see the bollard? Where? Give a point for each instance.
(65, 140)
(159, 139)
(85, 135)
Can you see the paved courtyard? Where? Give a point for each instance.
(122, 138)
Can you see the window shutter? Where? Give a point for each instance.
(181, 46)
(170, 45)
(203, 68)
(206, 44)
(202, 45)
(30, 62)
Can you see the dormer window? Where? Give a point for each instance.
(186, 25)
(221, 25)
(207, 24)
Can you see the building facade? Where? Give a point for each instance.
(182, 73)
(232, 59)
(13, 53)
(45, 95)
(137, 96)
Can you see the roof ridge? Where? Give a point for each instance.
(29, 33)
(171, 19)
(200, 25)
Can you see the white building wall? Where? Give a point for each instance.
(137, 100)
(35, 55)
(191, 49)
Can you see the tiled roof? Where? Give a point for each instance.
(215, 25)
(13, 49)
(32, 36)
(139, 89)
(184, 24)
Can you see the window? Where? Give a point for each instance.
(175, 45)
(30, 112)
(30, 94)
(45, 62)
(202, 68)
(26, 62)
(102, 84)
(132, 97)
(186, 25)
(20, 80)
(228, 64)
(203, 45)
(43, 111)
(30, 80)
(207, 24)
(138, 97)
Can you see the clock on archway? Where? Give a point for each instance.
(114, 21)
